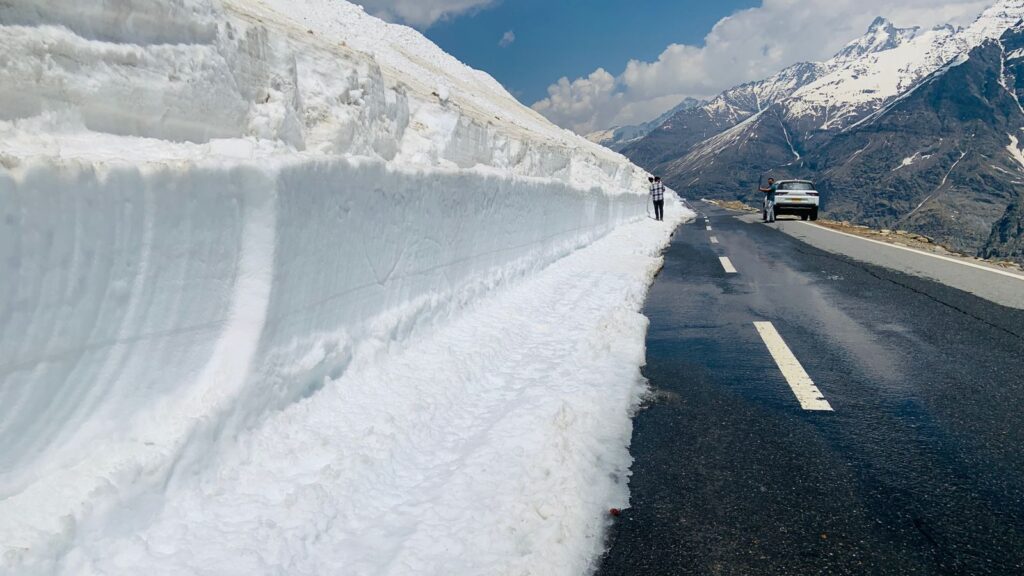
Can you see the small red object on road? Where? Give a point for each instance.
(615, 512)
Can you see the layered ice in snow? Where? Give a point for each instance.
(287, 289)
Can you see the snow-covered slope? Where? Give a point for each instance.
(232, 235)
(738, 104)
(318, 76)
(881, 35)
(864, 83)
(681, 131)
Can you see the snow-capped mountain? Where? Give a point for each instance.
(884, 75)
(681, 131)
(862, 84)
(881, 35)
(816, 99)
(943, 160)
(618, 137)
(676, 135)
(841, 97)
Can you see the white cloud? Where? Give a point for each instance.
(585, 104)
(748, 45)
(507, 39)
(421, 13)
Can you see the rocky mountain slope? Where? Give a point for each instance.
(1007, 239)
(943, 160)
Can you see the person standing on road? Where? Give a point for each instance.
(769, 201)
(658, 197)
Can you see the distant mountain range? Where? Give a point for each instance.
(620, 136)
(902, 128)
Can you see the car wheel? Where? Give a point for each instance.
(803, 217)
(814, 215)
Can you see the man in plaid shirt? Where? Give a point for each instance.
(658, 196)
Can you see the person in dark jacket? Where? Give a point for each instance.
(658, 197)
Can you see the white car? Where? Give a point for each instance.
(795, 197)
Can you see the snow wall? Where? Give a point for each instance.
(208, 209)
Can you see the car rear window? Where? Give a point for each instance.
(796, 186)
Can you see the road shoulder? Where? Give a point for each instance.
(992, 283)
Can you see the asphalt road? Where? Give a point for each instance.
(999, 285)
(918, 468)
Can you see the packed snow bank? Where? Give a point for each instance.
(270, 275)
(318, 76)
(136, 339)
(493, 445)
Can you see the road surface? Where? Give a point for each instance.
(816, 414)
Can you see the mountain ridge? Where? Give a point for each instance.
(618, 137)
(683, 130)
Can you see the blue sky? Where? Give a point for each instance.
(556, 38)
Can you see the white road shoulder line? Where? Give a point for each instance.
(714, 239)
(923, 253)
(803, 387)
(709, 227)
(727, 264)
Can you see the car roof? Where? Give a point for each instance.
(802, 181)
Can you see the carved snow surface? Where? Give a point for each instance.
(289, 290)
